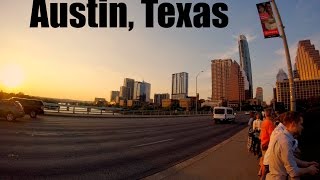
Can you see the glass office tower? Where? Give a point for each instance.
(245, 63)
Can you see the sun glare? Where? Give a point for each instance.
(11, 76)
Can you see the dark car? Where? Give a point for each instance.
(11, 110)
(33, 107)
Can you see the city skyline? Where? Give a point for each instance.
(86, 63)
(306, 75)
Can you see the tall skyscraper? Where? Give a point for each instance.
(245, 62)
(228, 82)
(113, 95)
(142, 91)
(282, 76)
(259, 94)
(307, 61)
(179, 85)
(123, 93)
(245, 84)
(129, 83)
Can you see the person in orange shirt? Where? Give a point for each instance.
(267, 127)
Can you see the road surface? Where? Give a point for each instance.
(52, 147)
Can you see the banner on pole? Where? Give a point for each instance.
(268, 21)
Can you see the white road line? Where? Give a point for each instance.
(147, 144)
(138, 131)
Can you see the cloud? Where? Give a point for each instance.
(282, 63)
(315, 39)
(230, 53)
(250, 38)
(233, 51)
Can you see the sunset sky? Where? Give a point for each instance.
(90, 62)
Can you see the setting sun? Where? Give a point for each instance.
(11, 76)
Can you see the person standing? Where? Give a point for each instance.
(256, 126)
(267, 127)
(281, 159)
(256, 135)
(250, 132)
(250, 122)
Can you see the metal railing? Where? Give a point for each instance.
(94, 110)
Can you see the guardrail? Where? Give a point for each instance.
(163, 113)
(93, 110)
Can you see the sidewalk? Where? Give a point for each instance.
(229, 160)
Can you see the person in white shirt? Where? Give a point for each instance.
(275, 132)
(257, 123)
(281, 160)
(256, 126)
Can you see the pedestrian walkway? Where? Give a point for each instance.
(229, 160)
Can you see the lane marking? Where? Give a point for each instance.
(137, 131)
(152, 143)
(38, 133)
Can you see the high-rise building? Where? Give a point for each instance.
(228, 82)
(304, 89)
(123, 93)
(179, 85)
(274, 93)
(142, 91)
(113, 96)
(158, 98)
(259, 94)
(307, 78)
(129, 83)
(245, 62)
(282, 76)
(244, 83)
(307, 61)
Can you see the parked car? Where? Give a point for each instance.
(223, 114)
(33, 107)
(11, 110)
(247, 113)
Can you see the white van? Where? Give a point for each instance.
(223, 114)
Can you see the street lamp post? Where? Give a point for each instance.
(284, 38)
(197, 91)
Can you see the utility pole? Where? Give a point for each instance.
(197, 91)
(285, 43)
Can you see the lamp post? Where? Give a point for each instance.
(197, 91)
(284, 38)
